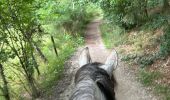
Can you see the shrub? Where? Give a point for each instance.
(165, 43)
(123, 14)
(156, 21)
(112, 35)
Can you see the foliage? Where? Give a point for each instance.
(72, 15)
(122, 12)
(129, 13)
(18, 27)
(146, 25)
(155, 22)
(141, 60)
(24, 26)
(153, 4)
(165, 43)
(112, 35)
(146, 60)
(165, 90)
(147, 78)
(27, 52)
(66, 45)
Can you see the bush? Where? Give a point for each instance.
(66, 44)
(156, 21)
(74, 20)
(165, 43)
(123, 14)
(112, 35)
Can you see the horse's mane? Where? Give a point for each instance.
(102, 79)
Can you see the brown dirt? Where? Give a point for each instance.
(128, 86)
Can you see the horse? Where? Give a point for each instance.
(95, 80)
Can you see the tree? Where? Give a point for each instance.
(18, 27)
(165, 4)
(122, 12)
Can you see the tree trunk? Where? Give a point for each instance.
(40, 52)
(166, 4)
(145, 8)
(5, 88)
(34, 89)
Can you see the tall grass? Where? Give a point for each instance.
(112, 35)
(66, 44)
(55, 67)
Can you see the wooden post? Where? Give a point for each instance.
(52, 39)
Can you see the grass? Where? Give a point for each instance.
(112, 35)
(165, 43)
(148, 79)
(164, 90)
(146, 44)
(66, 44)
(156, 21)
(56, 64)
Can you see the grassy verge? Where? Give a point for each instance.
(66, 24)
(150, 79)
(147, 48)
(66, 45)
(50, 71)
(54, 69)
(112, 35)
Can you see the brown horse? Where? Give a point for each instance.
(94, 80)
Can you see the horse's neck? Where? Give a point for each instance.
(87, 89)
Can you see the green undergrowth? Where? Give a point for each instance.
(148, 79)
(163, 43)
(140, 38)
(66, 24)
(153, 36)
(50, 71)
(68, 33)
(66, 45)
(164, 90)
(112, 35)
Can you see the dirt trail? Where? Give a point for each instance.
(128, 86)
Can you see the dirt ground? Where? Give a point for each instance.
(128, 87)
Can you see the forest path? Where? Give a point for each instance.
(128, 87)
